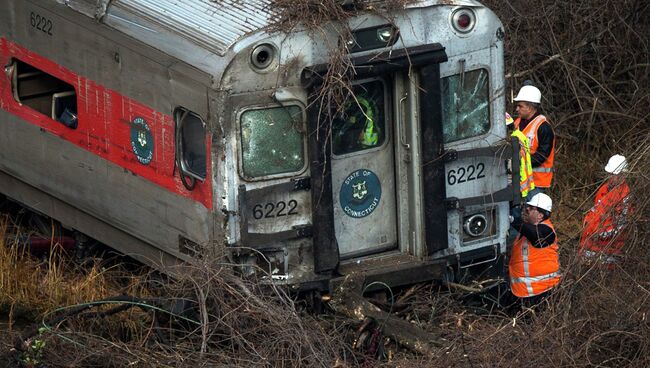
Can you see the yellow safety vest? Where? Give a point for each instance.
(369, 136)
(526, 182)
(543, 174)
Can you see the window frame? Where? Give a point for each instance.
(240, 150)
(388, 122)
(178, 141)
(491, 98)
(14, 76)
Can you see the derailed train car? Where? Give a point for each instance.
(174, 129)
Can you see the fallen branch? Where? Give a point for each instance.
(348, 299)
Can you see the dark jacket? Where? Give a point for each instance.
(539, 236)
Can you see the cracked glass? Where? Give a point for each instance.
(465, 105)
(272, 141)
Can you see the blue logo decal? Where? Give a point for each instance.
(141, 141)
(360, 193)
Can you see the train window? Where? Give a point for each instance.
(361, 124)
(272, 141)
(465, 105)
(44, 93)
(190, 143)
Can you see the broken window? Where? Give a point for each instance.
(465, 105)
(190, 143)
(44, 93)
(361, 124)
(272, 141)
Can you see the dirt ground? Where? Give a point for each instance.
(591, 61)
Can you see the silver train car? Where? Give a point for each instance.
(174, 130)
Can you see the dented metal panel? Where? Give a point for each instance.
(214, 25)
(90, 8)
(148, 57)
(427, 3)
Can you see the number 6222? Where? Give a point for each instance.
(466, 173)
(275, 209)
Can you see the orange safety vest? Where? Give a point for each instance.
(533, 270)
(543, 174)
(605, 225)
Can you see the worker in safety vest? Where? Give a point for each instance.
(369, 136)
(526, 182)
(534, 266)
(359, 129)
(606, 224)
(540, 135)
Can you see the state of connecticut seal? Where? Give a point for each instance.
(360, 193)
(141, 140)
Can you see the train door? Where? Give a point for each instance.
(354, 167)
(363, 172)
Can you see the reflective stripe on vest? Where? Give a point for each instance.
(542, 175)
(531, 279)
(526, 182)
(606, 225)
(533, 270)
(600, 257)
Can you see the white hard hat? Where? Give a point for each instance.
(529, 94)
(542, 201)
(616, 164)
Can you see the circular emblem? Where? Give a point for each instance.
(360, 193)
(141, 141)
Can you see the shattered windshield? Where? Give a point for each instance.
(465, 105)
(272, 141)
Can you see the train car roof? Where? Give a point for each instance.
(214, 25)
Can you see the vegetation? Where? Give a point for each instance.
(590, 59)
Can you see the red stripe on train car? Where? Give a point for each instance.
(104, 125)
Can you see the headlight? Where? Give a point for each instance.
(479, 225)
(372, 38)
(475, 225)
(262, 56)
(385, 34)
